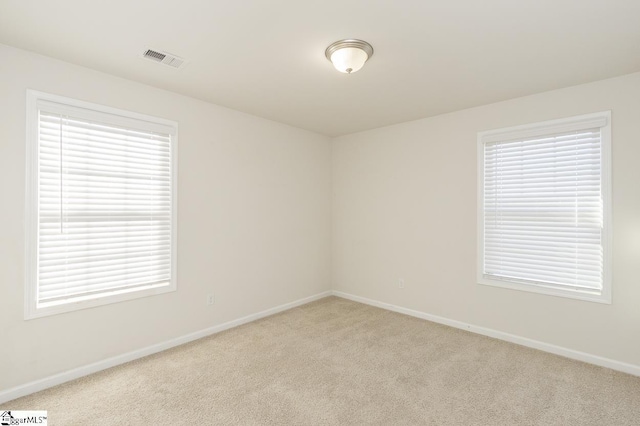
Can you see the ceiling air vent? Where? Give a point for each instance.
(163, 58)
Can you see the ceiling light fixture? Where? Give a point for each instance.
(348, 56)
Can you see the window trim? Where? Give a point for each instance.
(31, 309)
(541, 128)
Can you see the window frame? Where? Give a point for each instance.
(31, 309)
(551, 127)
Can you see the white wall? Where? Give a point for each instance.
(404, 206)
(254, 222)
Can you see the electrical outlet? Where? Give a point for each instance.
(210, 299)
(400, 283)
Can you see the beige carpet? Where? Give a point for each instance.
(336, 362)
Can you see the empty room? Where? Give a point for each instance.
(320, 213)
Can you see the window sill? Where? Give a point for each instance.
(54, 308)
(587, 296)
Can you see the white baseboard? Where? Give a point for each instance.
(523, 341)
(47, 382)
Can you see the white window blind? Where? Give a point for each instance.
(104, 204)
(543, 207)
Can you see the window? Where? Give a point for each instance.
(544, 207)
(101, 205)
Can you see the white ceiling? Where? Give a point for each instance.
(266, 57)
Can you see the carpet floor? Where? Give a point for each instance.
(337, 362)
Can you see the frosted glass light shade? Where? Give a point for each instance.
(349, 59)
(348, 56)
